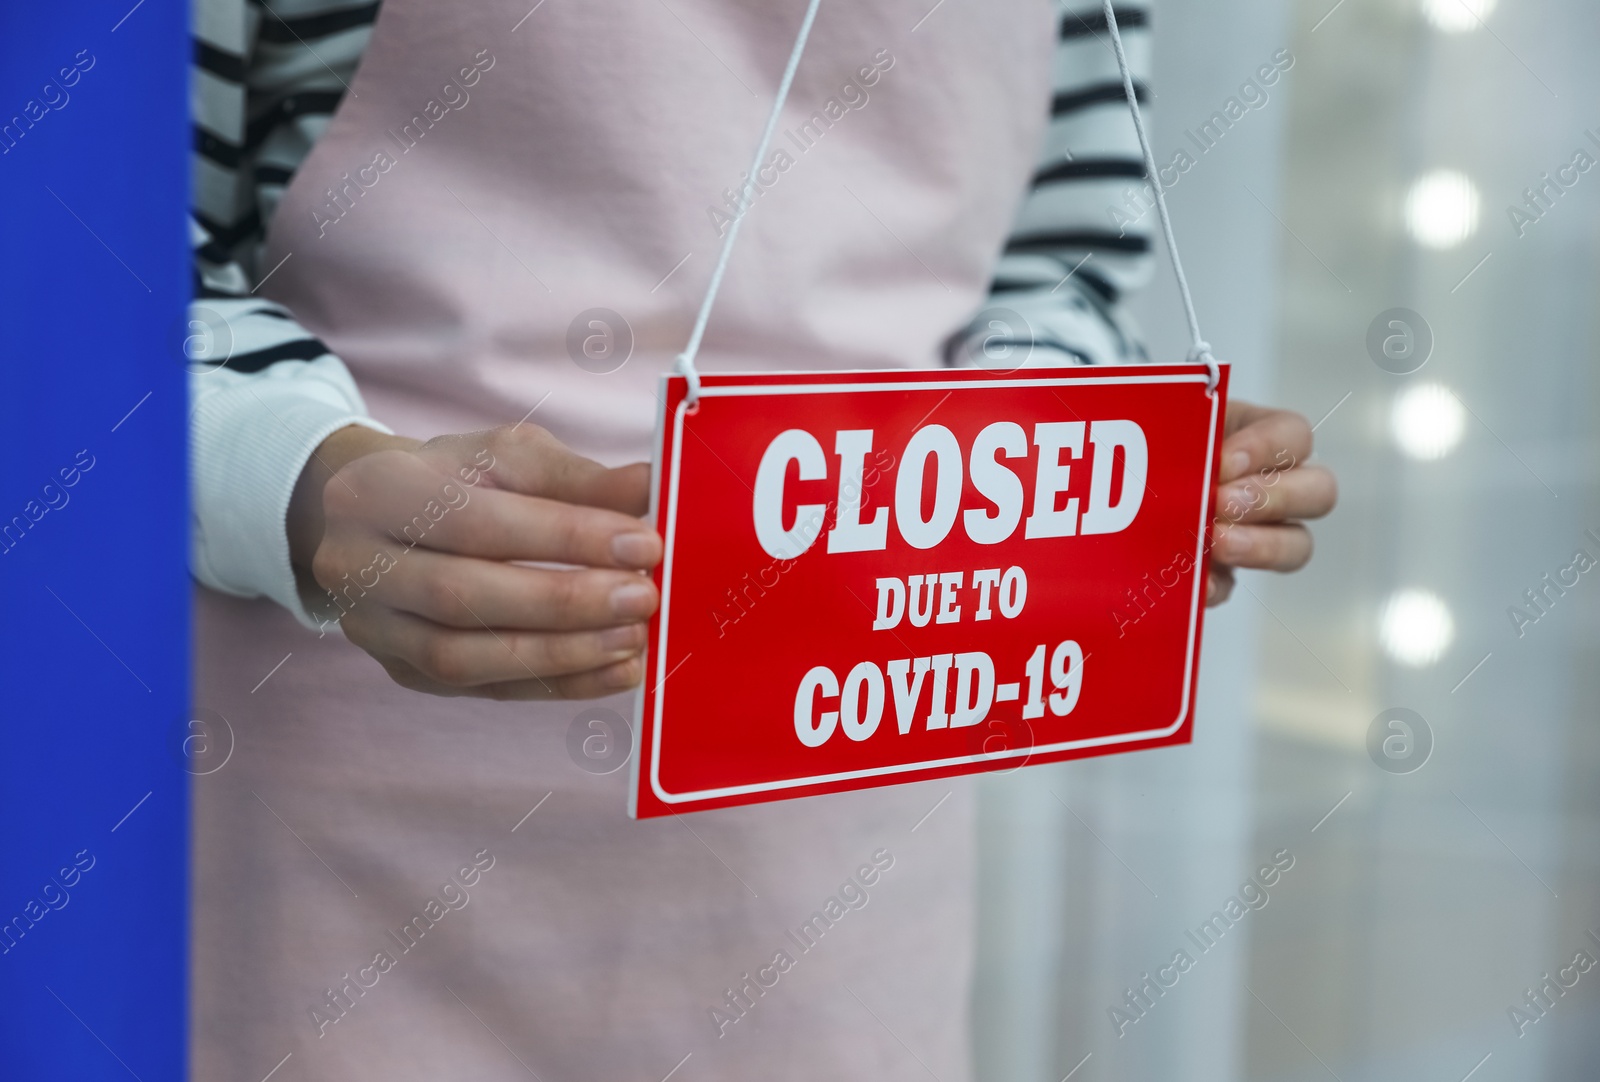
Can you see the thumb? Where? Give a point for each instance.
(625, 489)
(527, 459)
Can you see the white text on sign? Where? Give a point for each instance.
(861, 698)
(913, 597)
(996, 482)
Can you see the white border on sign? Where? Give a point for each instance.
(670, 535)
(654, 516)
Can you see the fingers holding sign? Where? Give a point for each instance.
(1265, 489)
(425, 551)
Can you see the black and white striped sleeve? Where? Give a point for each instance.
(1073, 253)
(264, 392)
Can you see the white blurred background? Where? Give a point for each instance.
(1425, 906)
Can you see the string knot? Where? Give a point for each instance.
(1200, 353)
(686, 368)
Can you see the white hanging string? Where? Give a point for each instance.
(685, 363)
(1199, 349)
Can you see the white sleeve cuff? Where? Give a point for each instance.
(250, 436)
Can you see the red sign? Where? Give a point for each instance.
(881, 577)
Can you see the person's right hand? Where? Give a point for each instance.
(421, 545)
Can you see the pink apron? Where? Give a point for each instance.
(373, 897)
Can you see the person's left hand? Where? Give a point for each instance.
(1265, 488)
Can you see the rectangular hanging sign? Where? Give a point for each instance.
(883, 577)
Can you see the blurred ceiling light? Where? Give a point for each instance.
(1427, 421)
(1416, 628)
(1454, 16)
(1442, 208)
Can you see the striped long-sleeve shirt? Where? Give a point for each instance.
(267, 78)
